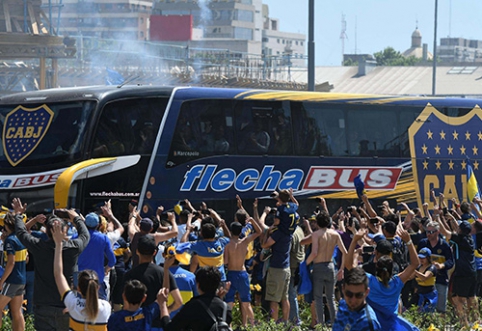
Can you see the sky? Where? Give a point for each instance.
(372, 25)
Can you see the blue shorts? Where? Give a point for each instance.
(239, 283)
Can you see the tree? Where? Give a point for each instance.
(391, 57)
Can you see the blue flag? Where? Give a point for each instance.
(113, 77)
(359, 186)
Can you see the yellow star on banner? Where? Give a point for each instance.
(467, 135)
(462, 149)
(476, 165)
(430, 134)
(437, 149)
(475, 150)
(455, 134)
(442, 135)
(424, 149)
(464, 165)
(450, 150)
(425, 164)
(479, 135)
(451, 165)
(438, 164)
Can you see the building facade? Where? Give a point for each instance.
(459, 50)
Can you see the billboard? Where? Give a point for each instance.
(171, 28)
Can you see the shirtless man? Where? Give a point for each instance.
(234, 257)
(324, 241)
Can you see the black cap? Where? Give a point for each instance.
(384, 247)
(146, 245)
(390, 227)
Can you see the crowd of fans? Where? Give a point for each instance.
(185, 268)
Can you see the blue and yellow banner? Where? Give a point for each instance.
(440, 147)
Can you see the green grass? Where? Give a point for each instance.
(422, 320)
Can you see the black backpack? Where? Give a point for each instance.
(399, 255)
(219, 323)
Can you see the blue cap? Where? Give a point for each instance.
(92, 220)
(424, 253)
(377, 237)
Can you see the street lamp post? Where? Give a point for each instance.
(434, 65)
(311, 45)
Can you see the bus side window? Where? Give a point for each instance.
(204, 128)
(314, 128)
(263, 127)
(373, 131)
(128, 127)
(282, 133)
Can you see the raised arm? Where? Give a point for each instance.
(406, 274)
(292, 197)
(426, 212)
(371, 212)
(132, 227)
(239, 202)
(257, 230)
(58, 235)
(83, 234)
(40, 218)
(350, 261)
(107, 212)
(169, 234)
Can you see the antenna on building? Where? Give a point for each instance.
(343, 36)
(356, 30)
(450, 18)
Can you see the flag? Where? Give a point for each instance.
(359, 186)
(113, 77)
(473, 190)
(181, 252)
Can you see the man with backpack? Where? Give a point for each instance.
(202, 313)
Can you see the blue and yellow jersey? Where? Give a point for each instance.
(14, 247)
(429, 282)
(211, 253)
(139, 320)
(186, 283)
(288, 216)
(247, 230)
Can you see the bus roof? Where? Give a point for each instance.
(112, 92)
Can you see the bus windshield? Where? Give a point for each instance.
(35, 136)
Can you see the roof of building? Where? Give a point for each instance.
(415, 80)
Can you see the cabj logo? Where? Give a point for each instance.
(440, 146)
(24, 129)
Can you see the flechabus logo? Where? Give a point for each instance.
(341, 178)
(204, 177)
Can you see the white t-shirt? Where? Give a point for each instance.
(78, 320)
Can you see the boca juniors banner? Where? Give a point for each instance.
(442, 149)
(23, 131)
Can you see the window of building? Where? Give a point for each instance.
(244, 15)
(243, 33)
(247, 2)
(278, 41)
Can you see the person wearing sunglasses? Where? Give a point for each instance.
(442, 259)
(354, 314)
(386, 286)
